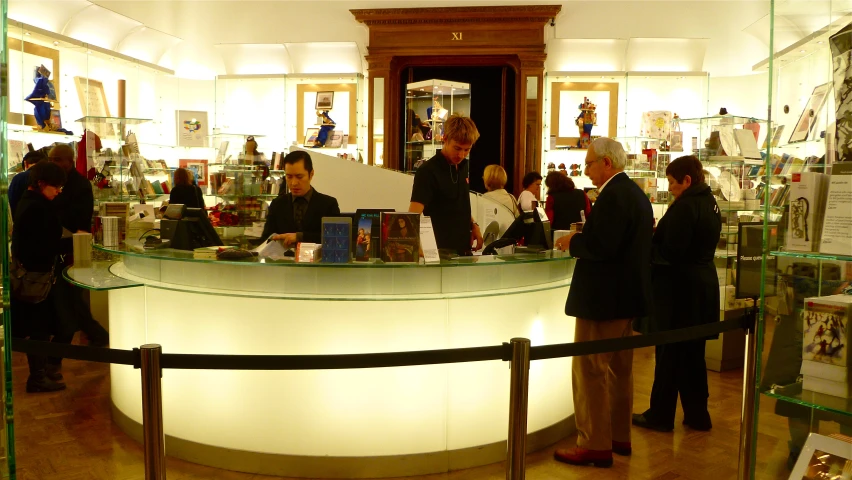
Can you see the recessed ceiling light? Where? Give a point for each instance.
(143, 29)
(89, 52)
(55, 43)
(602, 76)
(820, 42)
(27, 33)
(802, 51)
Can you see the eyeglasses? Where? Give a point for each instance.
(589, 164)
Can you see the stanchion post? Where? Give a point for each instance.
(518, 400)
(152, 412)
(747, 419)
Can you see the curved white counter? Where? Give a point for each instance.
(341, 423)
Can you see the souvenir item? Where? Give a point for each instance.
(587, 119)
(656, 124)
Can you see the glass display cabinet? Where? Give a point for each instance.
(428, 104)
(801, 395)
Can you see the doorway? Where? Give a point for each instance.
(492, 109)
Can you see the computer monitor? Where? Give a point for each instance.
(530, 228)
(192, 231)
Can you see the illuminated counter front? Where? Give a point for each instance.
(340, 423)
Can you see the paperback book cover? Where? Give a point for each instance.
(807, 207)
(837, 224)
(401, 237)
(336, 238)
(364, 240)
(825, 329)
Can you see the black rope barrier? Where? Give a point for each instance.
(375, 360)
(544, 352)
(76, 352)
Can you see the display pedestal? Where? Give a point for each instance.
(728, 351)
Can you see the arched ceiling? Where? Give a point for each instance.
(201, 38)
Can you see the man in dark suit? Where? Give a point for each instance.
(297, 216)
(611, 287)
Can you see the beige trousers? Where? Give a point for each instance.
(603, 386)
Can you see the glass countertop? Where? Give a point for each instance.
(97, 277)
(722, 120)
(135, 249)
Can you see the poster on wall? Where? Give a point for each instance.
(810, 114)
(198, 168)
(325, 100)
(191, 128)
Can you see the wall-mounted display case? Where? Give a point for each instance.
(802, 386)
(428, 104)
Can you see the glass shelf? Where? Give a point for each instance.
(811, 255)
(722, 120)
(224, 134)
(162, 145)
(97, 277)
(112, 120)
(820, 401)
(799, 145)
(638, 139)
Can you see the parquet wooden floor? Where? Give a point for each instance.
(69, 435)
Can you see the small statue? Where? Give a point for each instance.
(587, 119)
(326, 127)
(42, 96)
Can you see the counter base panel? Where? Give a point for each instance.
(345, 467)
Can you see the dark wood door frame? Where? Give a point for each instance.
(511, 36)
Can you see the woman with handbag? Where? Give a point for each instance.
(36, 240)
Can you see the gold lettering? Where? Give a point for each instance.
(457, 35)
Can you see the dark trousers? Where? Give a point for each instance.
(680, 369)
(37, 321)
(73, 314)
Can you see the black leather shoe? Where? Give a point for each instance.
(701, 424)
(40, 383)
(54, 372)
(640, 421)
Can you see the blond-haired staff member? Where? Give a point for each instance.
(441, 189)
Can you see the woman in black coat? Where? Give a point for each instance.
(185, 191)
(36, 237)
(686, 293)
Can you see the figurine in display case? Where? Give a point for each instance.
(587, 119)
(42, 98)
(326, 127)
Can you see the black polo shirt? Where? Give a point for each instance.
(445, 192)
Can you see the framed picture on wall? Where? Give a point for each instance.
(55, 118)
(325, 101)
(810, 114)
(191, 128)
(310, 136)
(197, 168)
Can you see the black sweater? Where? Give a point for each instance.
(36, 233)
(189, 195)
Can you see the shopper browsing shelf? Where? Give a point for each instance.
(185, 191)
(610, 288)
(495, 182)
(686, 293)
(565, 203)
(441, 190)
(532, 191)
(75, 206)
(36, 247)
(297, 216)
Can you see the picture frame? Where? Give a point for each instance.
(198, 168)
(676, 143)
(93, 103)
(325, 100)
(191, 128)
(56, 118)
(310, 136)
(806, 122)
(820, 454)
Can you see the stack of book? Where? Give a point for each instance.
(825, 357)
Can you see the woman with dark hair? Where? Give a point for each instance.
(36, 238)
(185, 191)
(532, 191)
(564, 202)
(685, 293)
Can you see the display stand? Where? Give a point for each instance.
(428, 105)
